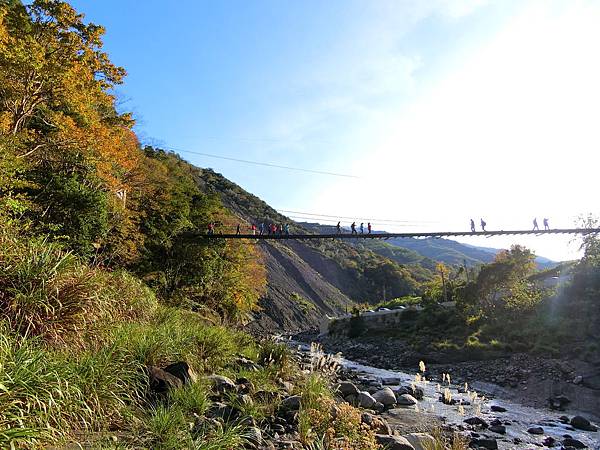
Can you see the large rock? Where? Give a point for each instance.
(486, 443)
(583, 424)
(385, 396)
(161, 381)
(497, 408)
(346, 388)
(182, 371)
(291, 403)
(500, 429)
(406, 400)
(535, 430)
(393, 442)
(420, 441)
(222, 411)
(415, 391)
(570, 442)
(366, 400)
(221, 383)
(476, 421)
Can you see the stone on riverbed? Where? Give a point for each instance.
(385, 396)
(420, 441)
(406, 400)
(489, 444)
(570, 442)
(583, 424)
(366, 400)
(497, 408)
(535, 430)
(393, 442)
(346, 388)
(476, 421)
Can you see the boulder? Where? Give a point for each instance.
(487, 443)
(182, 371)
(570, 442)
(497, 408)
(415, 391)
(535, 430)
(500, 429)
(390, 442)
(549, 441)
(222, 411)
(366, 400)
(291, 403)
(476, 421)
(378, 407)
(582, 423)
(391, 381)
(385, 396)
(161, 381)
(221, 384)
(346, 388)
(406, 400)
(352, 399)
(420, 441)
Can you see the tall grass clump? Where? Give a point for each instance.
(336, 425)
(45, 395)
(47, 291)
(173, 334)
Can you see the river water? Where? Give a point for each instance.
(517, 418)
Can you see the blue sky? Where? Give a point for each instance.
(441, 107)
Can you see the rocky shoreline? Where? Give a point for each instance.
(526, 379)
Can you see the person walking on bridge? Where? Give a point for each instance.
(369, 227)
(253, 228)
(546, 225)
(535, 224)
(472, 226)
(353, 228)
(211, 228)
(483, 224)
(362, 228)
(237, 230)
(286, 229)
(261, 228)
(338, 227)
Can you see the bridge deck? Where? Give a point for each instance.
(438, 234)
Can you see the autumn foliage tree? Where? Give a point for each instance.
(72, 170)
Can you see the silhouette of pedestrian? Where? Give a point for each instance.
(546, 226)
(369, 227)
(237, 230)
(253, 228)
(483, 224)
(535, 225)
(261, 228)
(472, 226)
(211, 228)
(286, 228)
(353, 227)
(362, 228)
(339, 228)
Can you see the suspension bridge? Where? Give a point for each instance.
(426, 234)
